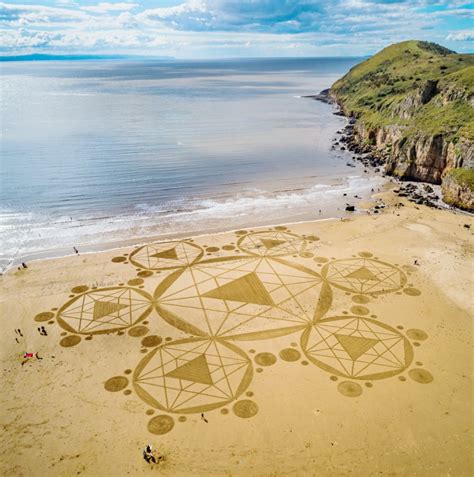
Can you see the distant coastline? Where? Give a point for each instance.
(46, 57)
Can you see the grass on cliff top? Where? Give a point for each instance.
(374, 89)
(463, 176)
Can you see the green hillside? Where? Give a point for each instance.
(420, 86)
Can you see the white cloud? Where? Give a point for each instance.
(465, 35)
(105, 7)
(199, 27)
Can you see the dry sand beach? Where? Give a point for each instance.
(327, 348)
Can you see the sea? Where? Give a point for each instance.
(97, 154)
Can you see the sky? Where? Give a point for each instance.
(231, 28)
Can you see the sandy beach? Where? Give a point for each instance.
(329, 348)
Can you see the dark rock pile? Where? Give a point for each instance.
(422, 194)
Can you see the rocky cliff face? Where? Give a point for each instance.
(420, 157)
(457, 192)
(413, 107)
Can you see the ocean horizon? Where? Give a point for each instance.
(111, 150)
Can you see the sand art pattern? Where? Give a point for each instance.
(249, 291)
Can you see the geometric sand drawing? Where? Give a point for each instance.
(256, 295)
(104, 310)
(364, 275)
(357, 348)
(166, 255)
(271, 243)
(242, 298)
(192, 375)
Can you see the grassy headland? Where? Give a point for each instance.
(414, 102)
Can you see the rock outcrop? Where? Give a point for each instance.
(458, 191)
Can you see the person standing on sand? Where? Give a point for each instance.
(75, 250)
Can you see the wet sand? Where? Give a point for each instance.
(327, 348)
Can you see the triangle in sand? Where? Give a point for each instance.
(196, 370)
(356, 346)
(247, 289)
(363, 273)
(104, 308)
(170, 253)
(271, 243)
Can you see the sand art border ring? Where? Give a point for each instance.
(339, 351)
(133, 260)
(321, 302)
(201, 372)
(267, 250)
(365, 276)
(133, 321)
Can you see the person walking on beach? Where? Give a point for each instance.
(75, 250)
(148, 455)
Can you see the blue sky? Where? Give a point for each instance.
(231, 28)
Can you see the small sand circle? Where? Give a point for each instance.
(212, 249)
(245, 408)
(69, 341)
(249, 393)
(45, 316)
(228, 247)
(224, 411)
(150, 412)
(259, 370)
(151, 341)
(115, 384)
(138, 331)
(411, 291)
(365, 254)
(265, 359)
(289, 354)
(128, 371)
(360, 310)
(182, 418)
(321, 259)
(333, 378)
(304, 363)
(135, 282)
(160, 424)
(280, 227)
(420, 376)
(415, 334)
(349, 389)
(145, 273)
(306, 254)
(80, 289)
(118, 259)
(127, 392)
(360, 299)
(312, 238)
(241, 232)
(402, 378)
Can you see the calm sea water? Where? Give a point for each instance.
(99, 152)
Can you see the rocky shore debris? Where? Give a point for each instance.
(421, 194)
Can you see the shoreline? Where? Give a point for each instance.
(138, 242)
(336, 207)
